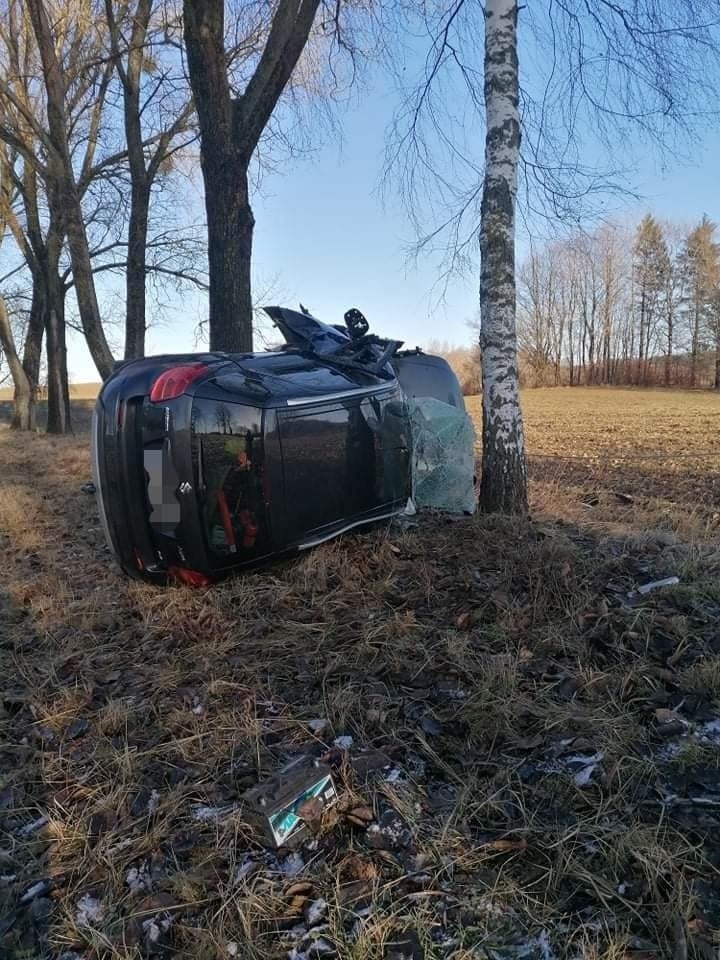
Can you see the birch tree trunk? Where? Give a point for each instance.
(504, 481)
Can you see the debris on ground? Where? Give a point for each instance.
(511, 714)
(295, 796)
(647, 588)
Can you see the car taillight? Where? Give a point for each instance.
(192, 578)
(175, 381)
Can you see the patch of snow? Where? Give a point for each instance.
(89, 911)
(534, 948)
(584, 775)
(343, 743)
(231, 948)
(492, 908)
(320, 948)
(244, 869)
(202, 813)
(393, 775)
(38, 889)
(292, 865)
(316, 911)
(155, 927)
(319, 725)
(710, 732)
(33, 827)
(668, 751)
(543, 943)
(138, 878)
(154, 802)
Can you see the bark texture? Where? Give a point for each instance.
(230, 128)
(504, 481)
(22, 409)
(136, 272)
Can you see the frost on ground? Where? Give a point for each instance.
(89, 911)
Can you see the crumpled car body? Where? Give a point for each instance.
(206, 463)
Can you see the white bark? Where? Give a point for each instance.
(504, 484)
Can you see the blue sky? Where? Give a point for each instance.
(325, 236)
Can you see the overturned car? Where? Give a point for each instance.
(205, 463)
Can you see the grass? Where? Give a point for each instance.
(557, 770)
(78, 391)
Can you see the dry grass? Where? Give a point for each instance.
(558, 773)
(650, 458)
(78, 391)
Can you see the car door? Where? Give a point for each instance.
(343, 459)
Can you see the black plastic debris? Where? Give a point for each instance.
(208, 462)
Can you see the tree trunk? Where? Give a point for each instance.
(717, 363)
(504, 483)
(136, 275)
(22, 409)
(695, 346)
(83, 279)
(230, 235)
(130, 75)
(230, 129)
(32, 351)
(58, 391)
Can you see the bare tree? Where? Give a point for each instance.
(60, 169)
(154, 130)
(230, 129)
(117, 157)
(29, 189)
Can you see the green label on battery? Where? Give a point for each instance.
(285, 821)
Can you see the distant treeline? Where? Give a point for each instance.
(623, 306)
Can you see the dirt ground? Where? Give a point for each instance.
(545, 741)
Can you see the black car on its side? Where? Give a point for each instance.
(208, 462)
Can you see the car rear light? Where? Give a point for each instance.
(175, 381)
(192, 578)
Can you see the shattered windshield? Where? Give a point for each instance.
(443, 456)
